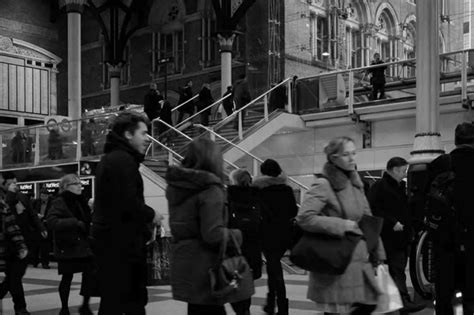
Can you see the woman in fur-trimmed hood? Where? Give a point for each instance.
(333, 206)
(196, 200)
(279, 207)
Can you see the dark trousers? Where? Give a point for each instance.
(276, 282)
(205, 119)
(40, 251)
(454, 272)
(15, 270)
(181, 116)
(122, 287)
(376, 88)
(363, 309)
(196, 309)
(236, 121)
(241, 307)
(397, 261)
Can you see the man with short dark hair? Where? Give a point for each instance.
(388, 199)
(121, 218)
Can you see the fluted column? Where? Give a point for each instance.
(114, 72)
(226, 61)
(427, 144)
(74, 9)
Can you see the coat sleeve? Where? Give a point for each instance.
(13, 231)
(211, 214)
(32, 214)
(57, 219)
(311, 219)
(377, 205)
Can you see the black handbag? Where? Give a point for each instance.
(324, 253)
(231, 279)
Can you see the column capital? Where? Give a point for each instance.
(76, 6)
(115, 71)
(226, 43)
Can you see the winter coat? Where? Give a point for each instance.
(389, 200)
(246, 201)
(69, 219)
(279, 207)
(151, 104)
(27, 220)
(120, 217)
(186, 94)
(165, 115)
(326, 206)
(196, 201)
(241, 93)
(204, 100)
(278, 98)
(11, 239)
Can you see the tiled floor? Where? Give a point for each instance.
(42, 297)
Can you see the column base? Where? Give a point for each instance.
(426, 147)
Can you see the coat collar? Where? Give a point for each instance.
(266, 181)
(338, 179)
(392, 181)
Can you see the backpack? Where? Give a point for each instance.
(440, 202)
(245, 210)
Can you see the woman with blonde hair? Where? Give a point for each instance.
(69, 218)
(334, 205)
(196, 200)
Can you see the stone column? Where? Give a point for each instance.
(427, 144)
(114, 72)
(74, 10)
(226, 61)
(53, 105)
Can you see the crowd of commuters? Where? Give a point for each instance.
(260, 214)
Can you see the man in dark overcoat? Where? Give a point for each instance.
(120, 219)
(241, 96)
(389, 200)
(462, 163)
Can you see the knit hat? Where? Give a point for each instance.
(270, 168)
(464, 133)
(240, 177)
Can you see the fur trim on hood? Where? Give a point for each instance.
(265, 181)
(338, 179)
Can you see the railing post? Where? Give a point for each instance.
(240, 126)
(153, 136)
(37, 147)
(212, 135)
(351, 93)
(290, 97)
(255, 167)
(265, 107)
(1, 151)
(464, 76)
(170, 158)
(79, 141)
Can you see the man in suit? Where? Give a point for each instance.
(388, 199)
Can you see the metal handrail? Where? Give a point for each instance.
(184, 135)
(228, 118)
(203, 110)
(379, 65)
(245, 151)
(164, 146)
(181, 105)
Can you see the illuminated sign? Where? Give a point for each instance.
(27, 189)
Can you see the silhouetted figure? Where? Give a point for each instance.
(378, 78)
(185, 94)
(151, 103)
(55, 145)
(204, 100)
(228, 103)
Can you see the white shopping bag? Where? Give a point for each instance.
(390, 300)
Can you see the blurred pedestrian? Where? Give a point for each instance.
(185, 94)
(151, 102)
(55, 144)
(378, 78)
(69, 219)
(120, 219)
(278, 98)
(196, 201)
(279, 205)
(228, 103)
(241, 97)
(41, 207)
(245, 214)
(333, 206)
(204, 100)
